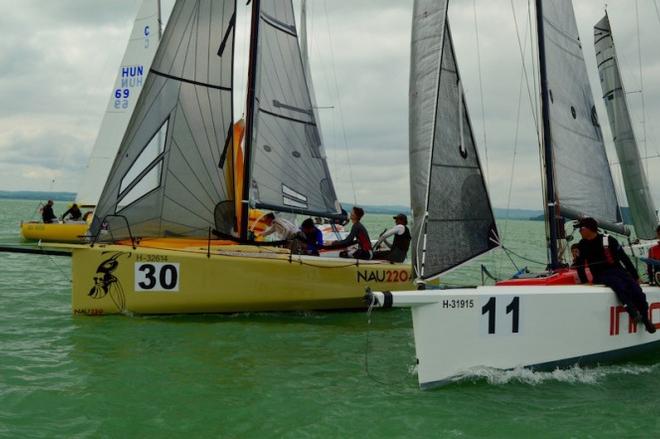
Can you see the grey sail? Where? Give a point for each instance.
(288, 167)
(453, 218)
(304, 50)
(584, 185)
(641, 204)
(168, 178)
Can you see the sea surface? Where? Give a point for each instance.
(291, 375)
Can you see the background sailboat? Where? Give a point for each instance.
(131, 74)
(642, 208)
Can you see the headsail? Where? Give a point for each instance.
(168, 177)
(287, 163)
(641, 204)
(139, 54)
(453, 219)
(583, 180)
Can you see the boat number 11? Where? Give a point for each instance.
(501, 319)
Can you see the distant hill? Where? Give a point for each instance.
(625, 212)
(516, 214)
(38, 195)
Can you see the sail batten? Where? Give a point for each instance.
(582, 177)
(454, 221)
(637, 190)
(186, 105)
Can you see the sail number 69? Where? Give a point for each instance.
(156, 276)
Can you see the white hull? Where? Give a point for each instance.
(540, 327)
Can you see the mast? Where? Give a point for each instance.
(249, 117)
(550, 193)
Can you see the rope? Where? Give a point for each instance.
(481, 89)
(372, 304)
(641, 82)
(339, 105)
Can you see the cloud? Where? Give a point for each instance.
(58, 61)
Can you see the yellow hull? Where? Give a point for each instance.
(111, 279)
(56, 232)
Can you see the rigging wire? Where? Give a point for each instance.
(481, 89)
(339, 104)
(641, 82)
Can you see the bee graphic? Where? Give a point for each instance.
(106, 283)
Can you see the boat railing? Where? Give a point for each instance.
(102, 229)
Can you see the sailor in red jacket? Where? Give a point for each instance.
(654, 253)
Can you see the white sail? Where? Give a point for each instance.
(641, 204)
(131, 74)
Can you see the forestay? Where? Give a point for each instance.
(168, 177)
(454, 221)
(133, 70)
(641, 204)
(288, 166)
(583, 180)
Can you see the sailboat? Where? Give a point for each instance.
(544, 321)
(171, 231)
(642, 208)
(139, 53)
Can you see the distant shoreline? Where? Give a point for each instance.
(500, 213)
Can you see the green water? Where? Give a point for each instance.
(277, 375)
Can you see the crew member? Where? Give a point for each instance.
(398, 250)
(284, 229)
(610, 266)
(47, 214)
(313, 237)
(358, 235)
(654, 255)
(74, 213)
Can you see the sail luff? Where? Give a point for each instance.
(637, 190)
(548, 162)
(250, 118)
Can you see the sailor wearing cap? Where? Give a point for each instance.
(398, 250)
(610, 266)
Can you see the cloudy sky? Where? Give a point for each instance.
(58, 60)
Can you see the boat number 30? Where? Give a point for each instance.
(156, 276)
(500, 315)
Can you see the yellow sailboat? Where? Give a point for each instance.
(174, 229)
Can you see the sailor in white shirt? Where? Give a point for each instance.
(283, 228)
(399, 248)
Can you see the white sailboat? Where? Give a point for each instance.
(180, 177)
(131, 74)
(542, 322)
(638, 193)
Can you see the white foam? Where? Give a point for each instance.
(573, 375)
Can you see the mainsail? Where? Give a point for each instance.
(133, 70)
(583, 180)
(641, 204)
(168, 177)
(453, 218)
(287, 167)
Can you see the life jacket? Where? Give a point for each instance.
(609, 257)
(402, 242)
